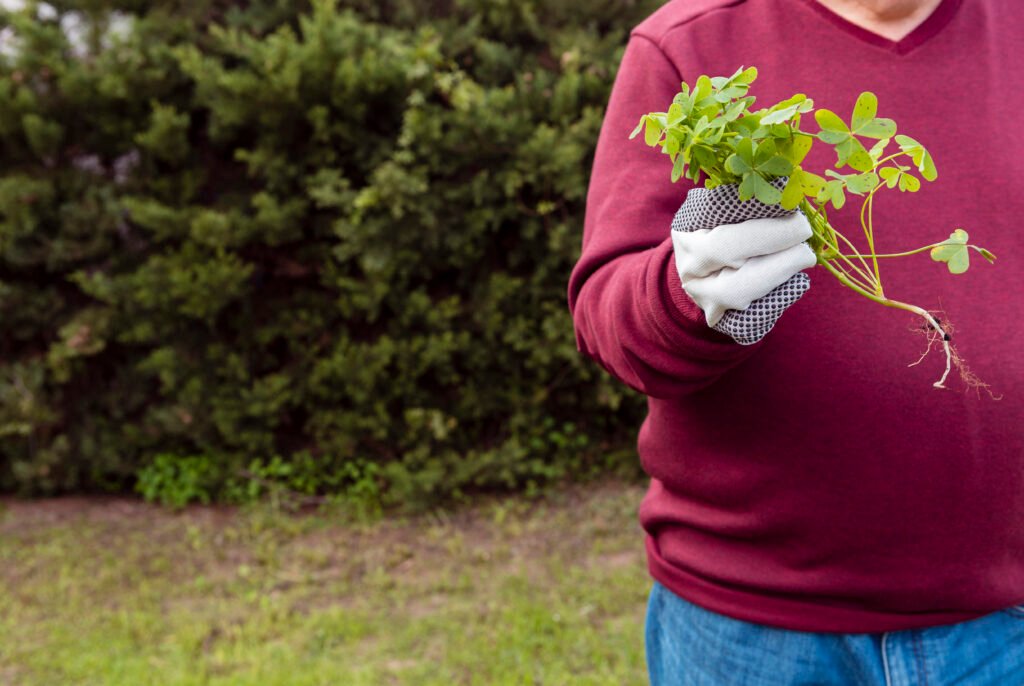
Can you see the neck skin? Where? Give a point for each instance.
(892, 19)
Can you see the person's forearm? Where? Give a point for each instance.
(633, 317)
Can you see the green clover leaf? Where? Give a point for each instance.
(678, 162)
(787, 109)
(900, 175)
(795, 149)
(639, 127)
(865, 123)
(890, 175)
(909, 182)
(858, 184)
(922, 158)
(832, 192)
(734, 111)
(652, 134)
(675, 114)
(800, 183)
(849, 149)
(753, 163)
(954, 252)
(655, 126)
(833, 129)
(878, 148)
(754, 186)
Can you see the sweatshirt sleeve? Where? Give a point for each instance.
(629, 309)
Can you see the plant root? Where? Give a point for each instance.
(938, 329)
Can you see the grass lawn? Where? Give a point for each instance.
(507, 592)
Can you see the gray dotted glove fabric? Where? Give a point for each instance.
(707, 208)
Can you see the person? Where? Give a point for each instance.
(817, 512)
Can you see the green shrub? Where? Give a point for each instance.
(333, 236)
(179, 480)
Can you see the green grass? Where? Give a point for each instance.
(509, 592)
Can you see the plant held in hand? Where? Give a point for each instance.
(709, 132)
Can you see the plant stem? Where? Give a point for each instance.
(865, 273)
(857, 276)
(868, 208)
(870, 288)
(828, 233)
(845, 280)
(915, 252)
(890, 158)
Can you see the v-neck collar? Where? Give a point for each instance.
(924, 31)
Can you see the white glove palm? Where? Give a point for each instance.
(740, 261)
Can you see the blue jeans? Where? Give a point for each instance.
(688, 645)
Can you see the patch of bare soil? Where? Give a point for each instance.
(21, 516)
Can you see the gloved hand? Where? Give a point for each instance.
(741, 262)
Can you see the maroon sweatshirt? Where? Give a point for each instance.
(815, 481)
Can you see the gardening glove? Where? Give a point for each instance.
(741, 261)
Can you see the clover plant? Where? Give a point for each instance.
(710, 133)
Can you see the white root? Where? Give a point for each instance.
(935, 333)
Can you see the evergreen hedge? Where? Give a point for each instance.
(324, 245)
